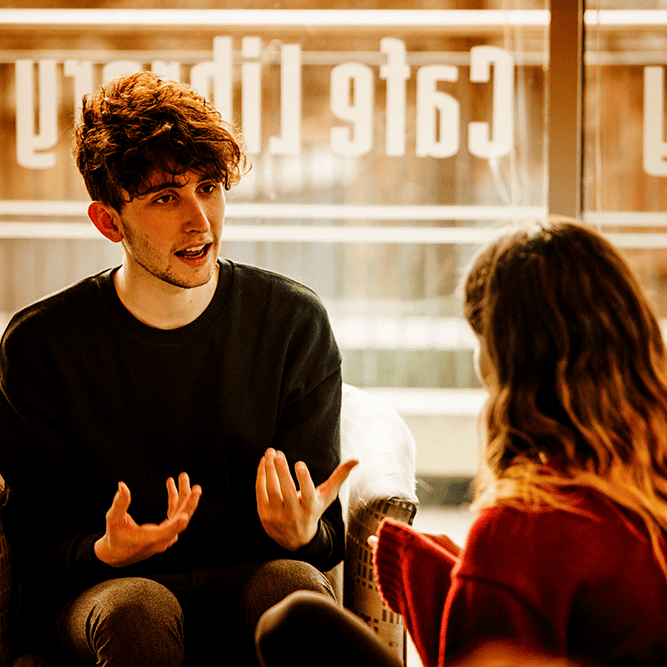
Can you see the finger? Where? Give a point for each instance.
(329, 490)
(184, 491)
(120, 504)
(189, 496)
(306, 485)
(287, 486)
(273, 492)
(183, 484)
(172, 495)
(192, 501)
(260, 483)
(176, 523)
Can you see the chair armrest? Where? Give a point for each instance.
(382, 485)
(360, 591)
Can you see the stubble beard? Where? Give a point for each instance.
(165, 275)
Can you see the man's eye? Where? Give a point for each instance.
(163, 199)
(210, 187)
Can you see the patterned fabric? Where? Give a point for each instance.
(361, 594)
(382, 485)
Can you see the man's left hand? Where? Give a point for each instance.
(291, 516)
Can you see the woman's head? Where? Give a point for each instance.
(577, 354)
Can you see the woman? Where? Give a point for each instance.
(567, 557)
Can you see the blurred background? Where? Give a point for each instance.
(386, 145)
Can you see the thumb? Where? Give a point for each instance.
(329, 490)
(121, 502)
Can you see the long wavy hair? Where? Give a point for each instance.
(135, 125)
(578, 393)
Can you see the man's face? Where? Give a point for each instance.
(173, 231)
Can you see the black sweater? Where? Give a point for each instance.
(91, 396)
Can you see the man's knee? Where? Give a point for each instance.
(136, 603)
(126, 621)
(277, 579)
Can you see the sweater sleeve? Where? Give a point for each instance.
(308, 429)
(310, 432)
(414, 576)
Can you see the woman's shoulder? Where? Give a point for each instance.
(583, 509)
(584, 533)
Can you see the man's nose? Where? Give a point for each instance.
(195, 218)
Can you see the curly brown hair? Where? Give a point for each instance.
(138, 124)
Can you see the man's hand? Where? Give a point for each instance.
(291, 517)
(125, 542)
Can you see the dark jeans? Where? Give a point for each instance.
(306, 625)
(199, 618)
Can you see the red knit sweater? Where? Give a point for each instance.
(580, 587)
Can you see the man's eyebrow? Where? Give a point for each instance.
(171, 183)
(163, 185)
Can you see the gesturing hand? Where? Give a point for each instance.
(126, 542)
(291, 517)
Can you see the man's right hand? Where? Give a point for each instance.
(126, 542)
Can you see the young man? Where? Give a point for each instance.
(174, 366)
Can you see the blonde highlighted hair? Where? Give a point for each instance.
(580, 374)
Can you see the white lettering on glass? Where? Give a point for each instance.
(32, 147)
(289, 141)
(251, 93)
(81, 72)
(480, 142)
(396, 72)
(352, 101)
(438, 114)
(216, 77)
(117, 68)
(655, 147)
(437, 128)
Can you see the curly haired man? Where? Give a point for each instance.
(176, 365)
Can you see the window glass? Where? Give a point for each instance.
(384, 146)
(625, 152)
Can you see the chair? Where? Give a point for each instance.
(382, 485)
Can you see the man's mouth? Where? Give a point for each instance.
(194, 253)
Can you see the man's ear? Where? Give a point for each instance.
(106, 219)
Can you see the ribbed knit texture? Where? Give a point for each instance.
(414, 574)
(584, 587)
